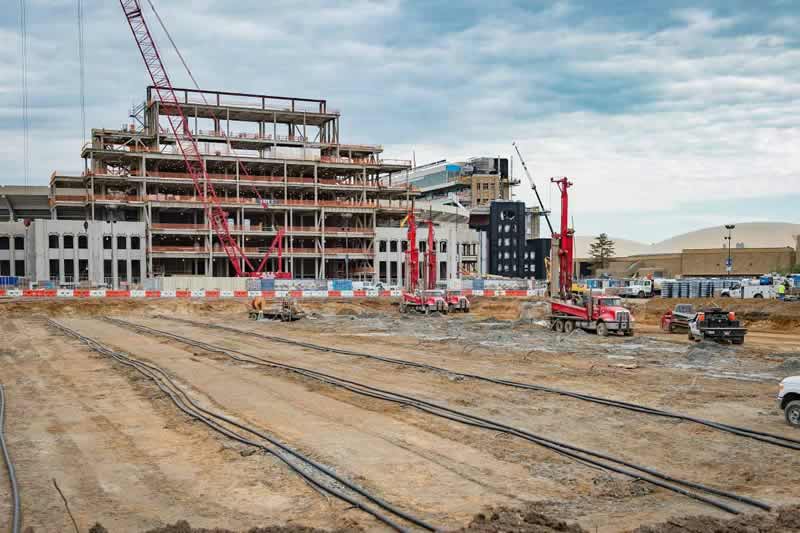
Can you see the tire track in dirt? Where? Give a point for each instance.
(130, 470)
(340, 432)
(195, 333)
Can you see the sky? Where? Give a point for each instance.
(668, 116)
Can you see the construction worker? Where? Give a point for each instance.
(781, 291)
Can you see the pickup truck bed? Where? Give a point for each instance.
(716, 324)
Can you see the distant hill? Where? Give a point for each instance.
(751, 234)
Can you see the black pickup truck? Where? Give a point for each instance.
(715, 324)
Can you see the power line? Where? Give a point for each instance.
(26, 135)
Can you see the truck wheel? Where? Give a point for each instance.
(691, 337)
(628, 333)
(427, 309)
(569, 326)
(641, 294)
(725, 295)
(792, 412)
(759, 295)
(559, 326)
(602, 329)
(450, 308)
(738, 341)
(403, 308)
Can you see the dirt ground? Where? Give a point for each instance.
(125, 457)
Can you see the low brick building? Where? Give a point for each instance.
(706, 262)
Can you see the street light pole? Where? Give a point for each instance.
(729, 262)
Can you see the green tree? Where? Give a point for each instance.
(602, 249)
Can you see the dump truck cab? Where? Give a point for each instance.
(603, 314)
(424, 301)
(456, 301)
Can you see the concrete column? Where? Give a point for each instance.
(128, 264)
(322, 238)
(114, 258)
(316, 184)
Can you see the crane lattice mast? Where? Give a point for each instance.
(187, 145)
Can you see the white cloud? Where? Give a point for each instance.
(638, 117)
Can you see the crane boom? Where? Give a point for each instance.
(533, 186)
(187, 145)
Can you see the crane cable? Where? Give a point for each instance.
(175, 47)
(197, 86)
(82, 69)
(26, 135)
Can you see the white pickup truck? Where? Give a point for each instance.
(789, 399)
(741, 290)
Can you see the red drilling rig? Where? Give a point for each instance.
(602, 314)
(566, 240)
(428, 298)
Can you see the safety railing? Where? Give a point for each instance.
(187, 249)
(349, 251)
(348, 230)
(331, 230)
(70, 198)
(272, 179)
(187, 227)
(117, 198)
(223, 150)
(260, 250)
(185, 176)
(203, 227)
(396, 162)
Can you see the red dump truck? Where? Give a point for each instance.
(603, 314)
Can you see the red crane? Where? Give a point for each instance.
(565, 241)
(276, 246)
(195, 165)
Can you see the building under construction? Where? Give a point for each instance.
(275, 163)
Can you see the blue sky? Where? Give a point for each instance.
(668, 115)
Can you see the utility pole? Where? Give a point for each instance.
(729, 262)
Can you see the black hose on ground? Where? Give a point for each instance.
(16, 512)
(195, 411)
(769, 438)
(465, 418)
